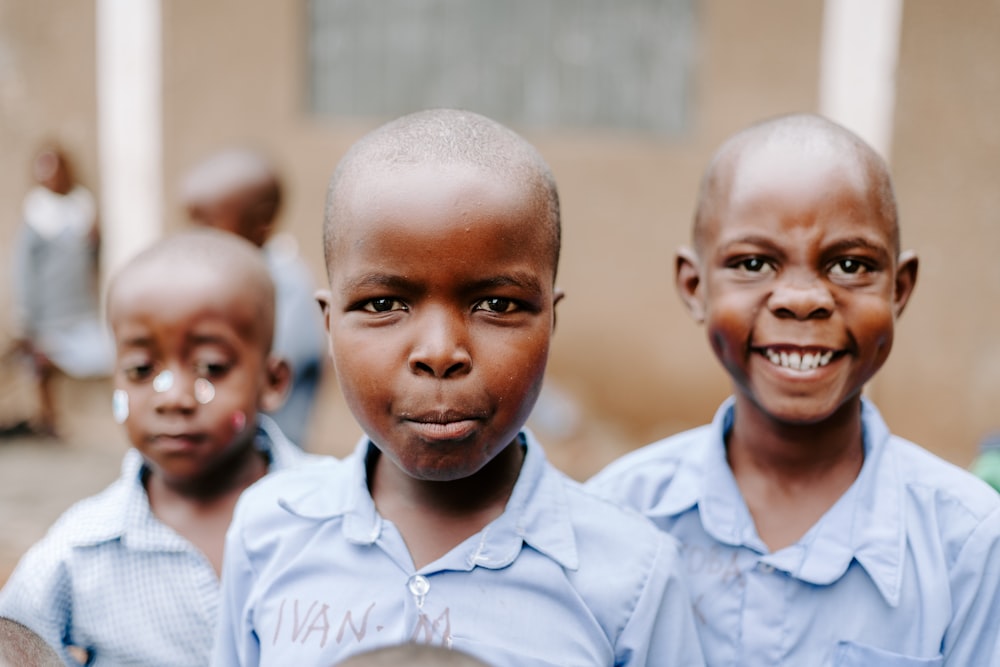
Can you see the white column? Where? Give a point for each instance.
(129, 127)
(858, 67)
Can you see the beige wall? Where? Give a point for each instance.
(624, 348)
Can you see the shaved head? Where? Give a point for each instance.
(413, 655)
(21, 647)
(227, 172)
(236, 190)
(196, 253)
(805, 137)
(442, 137)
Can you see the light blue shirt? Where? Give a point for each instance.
(903, 570)
(110, 578)
(313, 575)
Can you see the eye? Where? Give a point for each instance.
(137, 372)
(497, 304)
(753, 265)
(382, 305)
(210, 369)
(849, 266)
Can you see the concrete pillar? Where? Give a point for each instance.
(130, 127)
(858, 67)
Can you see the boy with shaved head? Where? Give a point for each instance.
(811, 535)
(446, 525)
(130, 576)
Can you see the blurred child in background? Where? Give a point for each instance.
(238, 190)
(131, 575)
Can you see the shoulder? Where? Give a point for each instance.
(95, 519)
(641, 477)
(929, 476)
(959, 502)
(316, 486)
(612, 534)
(47, 566)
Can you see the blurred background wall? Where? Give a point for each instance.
(628, 366)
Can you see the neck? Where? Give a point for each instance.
(487, 490)
(225, 479)
(795, 452)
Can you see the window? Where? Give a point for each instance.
(540, 63)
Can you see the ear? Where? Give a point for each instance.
(325, 300)
(906, 279)
(557, 297)
(279, 380)
(687, 280)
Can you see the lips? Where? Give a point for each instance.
(180, 441)
(798, 358)
(444, 425)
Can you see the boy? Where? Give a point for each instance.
(811, 535)
(238, 190)
(130, 576)
(446, 526)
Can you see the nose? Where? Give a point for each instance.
(175, 394)
(441, 348)
(801, 298)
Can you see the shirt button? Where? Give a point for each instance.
(765, 568)
(419, 586)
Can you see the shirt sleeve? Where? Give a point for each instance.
(39, 594)
(972, 637)
(236, 642)
(661, 629)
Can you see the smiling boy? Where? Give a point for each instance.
(811, 535)
(446, 526)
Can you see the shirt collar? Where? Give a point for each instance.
(866, 524)
(537, 513)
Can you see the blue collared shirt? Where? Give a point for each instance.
(111, 579)
(904, 569)
(313, 574)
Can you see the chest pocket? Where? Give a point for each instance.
(849, 654)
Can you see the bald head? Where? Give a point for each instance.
(439, 138)
(236, 190)
(413, 655)
(805, 139)
(20, 647)
(201, 260)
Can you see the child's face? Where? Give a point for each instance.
(243, 213)
(440, 311)
(192, 362)
(798, 282)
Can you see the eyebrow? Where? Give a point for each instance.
(855, 242)
(842, 245)
(518, 279)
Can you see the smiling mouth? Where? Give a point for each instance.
(798, 359)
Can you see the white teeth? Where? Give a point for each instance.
(806, 361)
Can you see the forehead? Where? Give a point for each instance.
(440, 213)
(183, 299)
(824, 186)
